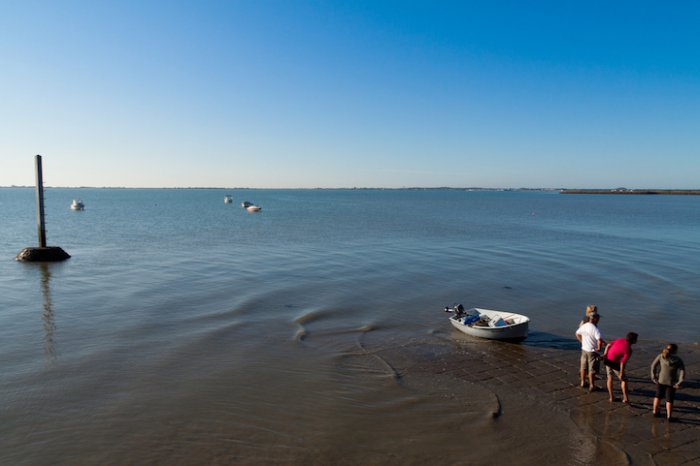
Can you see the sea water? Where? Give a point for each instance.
(184, 330)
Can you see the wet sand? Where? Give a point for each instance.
(545, 376)
(440, 398)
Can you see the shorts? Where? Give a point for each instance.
(610, 371)
(665, 391)
(590, 361)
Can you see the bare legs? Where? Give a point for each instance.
(655, 407)
(591, 379)
(623, 384)
(625, 398)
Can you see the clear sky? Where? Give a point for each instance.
(281, 94)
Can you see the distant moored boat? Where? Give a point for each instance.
(228, 199)
(77, 204)
(250, 207)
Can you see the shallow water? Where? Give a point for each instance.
(184, 330)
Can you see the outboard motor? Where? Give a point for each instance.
(458, 309)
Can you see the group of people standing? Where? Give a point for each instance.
(667, 371)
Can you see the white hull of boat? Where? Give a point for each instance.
(250, 207)
(513, 326)
(77, 205)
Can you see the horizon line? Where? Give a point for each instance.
(306, 188)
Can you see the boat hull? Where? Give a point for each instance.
(515, 331)
(250, 207)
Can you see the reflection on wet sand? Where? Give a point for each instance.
(661, 431)
(541, 375)
(631, 430)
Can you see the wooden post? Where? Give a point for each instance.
(42, 253)
(40, 221)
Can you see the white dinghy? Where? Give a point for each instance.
(250, 207)
(487, 323)
(77, 204)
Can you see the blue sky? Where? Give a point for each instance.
(282, 94)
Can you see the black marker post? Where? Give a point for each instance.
(43, 253)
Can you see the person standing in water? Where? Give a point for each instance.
(668, 373)
(616, 355)
(591, 343)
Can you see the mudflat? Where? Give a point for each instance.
(529, 378)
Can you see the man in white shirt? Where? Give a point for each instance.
(591, 342)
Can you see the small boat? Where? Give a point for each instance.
(77, 204)
(250, 207)
(487, 323)
(228, 199)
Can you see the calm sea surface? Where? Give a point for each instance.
(187, 331)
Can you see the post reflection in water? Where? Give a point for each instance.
(47, 316)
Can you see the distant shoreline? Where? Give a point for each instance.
(692, 192)
(687, 192)
(339, 188)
